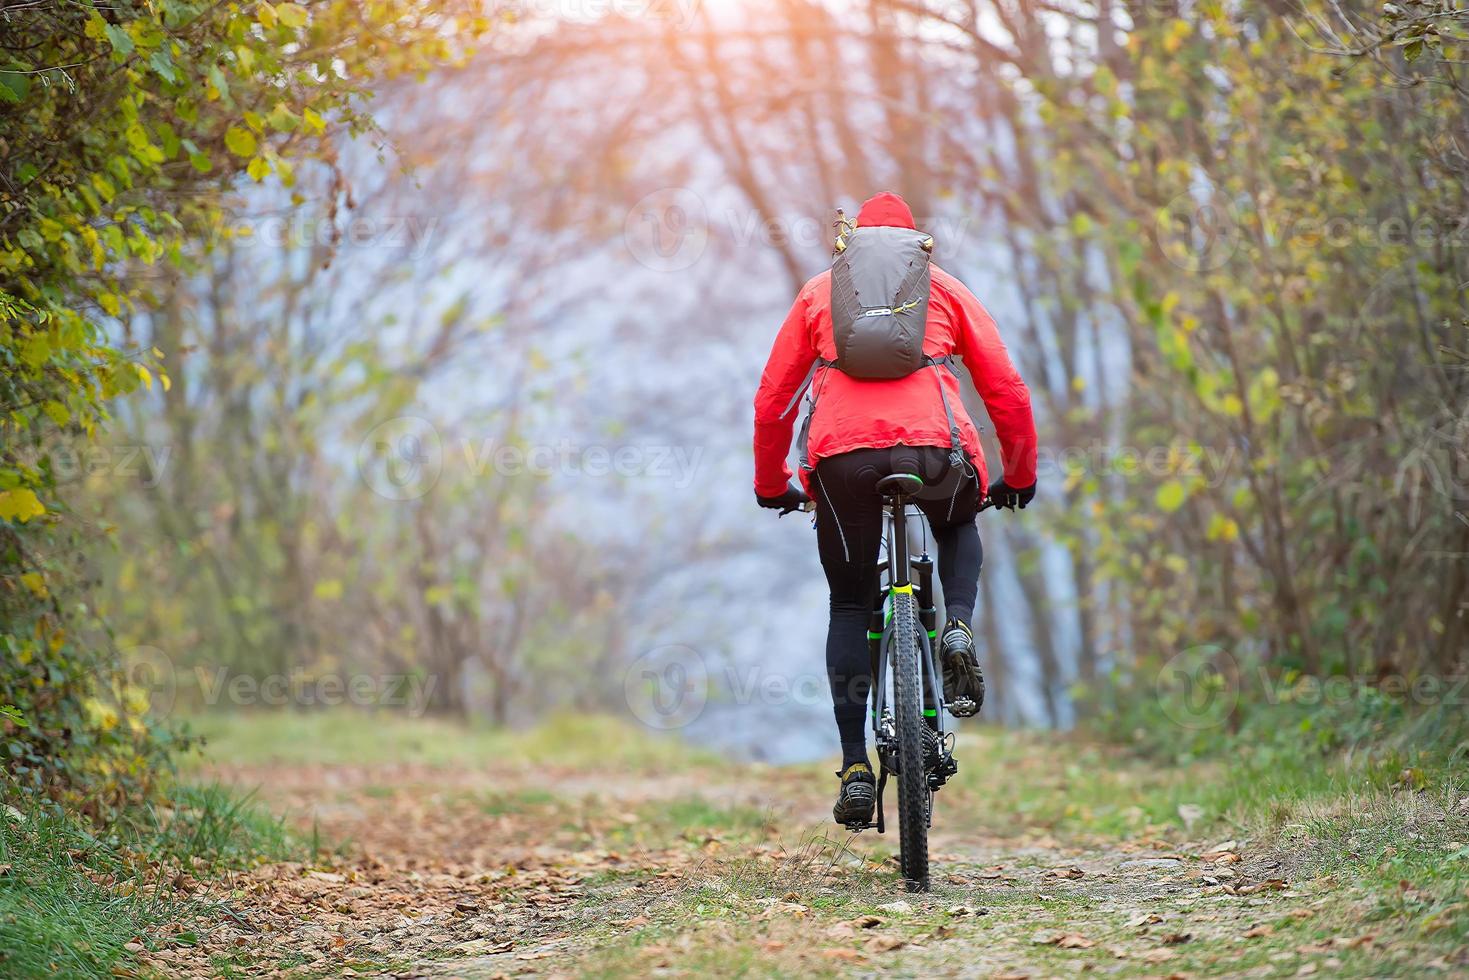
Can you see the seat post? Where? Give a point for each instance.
(896, 488)
(898, 508)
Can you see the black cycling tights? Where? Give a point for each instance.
(849, 530)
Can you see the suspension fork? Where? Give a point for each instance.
(928, 621)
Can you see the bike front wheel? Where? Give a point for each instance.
(913, 794)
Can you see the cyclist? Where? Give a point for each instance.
(862, 430)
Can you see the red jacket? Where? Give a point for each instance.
(853, 413)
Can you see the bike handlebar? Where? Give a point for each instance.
(987, 503)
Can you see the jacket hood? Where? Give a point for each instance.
(885, 209)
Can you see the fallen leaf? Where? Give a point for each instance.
(897, 908)
(1146, 919)
(1063, 940)
(1258, 931)
(884, 943)
(1270, 884)
(850, 955)
(1177, 938)
(1071, 872)
(961, 911)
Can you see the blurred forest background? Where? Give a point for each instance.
(419, 341)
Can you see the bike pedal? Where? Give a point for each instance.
(946, 769)
(962, 708)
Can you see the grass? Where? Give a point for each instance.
(73, 898)
(349, 737)
(1373, 839)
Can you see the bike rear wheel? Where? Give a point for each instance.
(913, 793)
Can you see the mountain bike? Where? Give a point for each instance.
(908, 721)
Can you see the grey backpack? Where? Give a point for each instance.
(879, 315)
(879, 301)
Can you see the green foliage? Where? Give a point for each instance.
(1292, 288)
(125, 123)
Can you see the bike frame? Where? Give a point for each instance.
(899, 570)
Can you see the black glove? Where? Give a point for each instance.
(1004, 495)
(792, 499)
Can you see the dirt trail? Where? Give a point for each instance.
(485, 872)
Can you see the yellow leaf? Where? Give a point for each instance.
(265, 13)
(292, 14)
(36, 583)
(1170, 496)
(1222, 528)
(241, 141)
(258, 169)
(328, 589)
(144, 375)
(101, 715)
(20, 505)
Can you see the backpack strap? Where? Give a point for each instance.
(956, 445)
(804, 438)
(817, 365)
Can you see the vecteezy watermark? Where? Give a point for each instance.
(141, 463)
(410, 233)
(401, 458)
(746, 228)
(306, 689)
(667, 230)
(676, 464)
(1208, 464)
(1422, 690)
(1199, 230)
(1198, 688)
(667, 687)
(1440, 461)
(670, 686)
(679, 13)
(148, 680)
